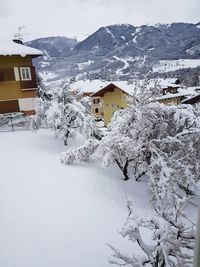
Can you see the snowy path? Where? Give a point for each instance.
(54, 215)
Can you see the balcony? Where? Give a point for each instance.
(28, 85)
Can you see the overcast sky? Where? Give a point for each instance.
(79, 18)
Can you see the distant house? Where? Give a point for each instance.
(194, 98)
(114, 95)
(170, 91)
(18, 86)
(87, 88)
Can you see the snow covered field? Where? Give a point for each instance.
(172, 65)
(54, 215)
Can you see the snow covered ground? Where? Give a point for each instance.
(54, 215)
(172, 65)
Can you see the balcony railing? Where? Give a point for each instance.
(28, 85)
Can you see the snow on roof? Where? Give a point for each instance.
(95, 86)
(10, 48)
(125, 86)
(87, 86)
(129, 88)
(164, 83)
(187, 92)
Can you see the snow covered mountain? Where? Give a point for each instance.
(119, 50)
(59, 46)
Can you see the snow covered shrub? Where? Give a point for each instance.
(172, 238)
(39, 119)
(81, 154)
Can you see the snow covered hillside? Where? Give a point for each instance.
(172, 65)
(120, 50)
(56, 215)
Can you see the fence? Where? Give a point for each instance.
(193, 192)
(16, 121)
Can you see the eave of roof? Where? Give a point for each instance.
(191, 100)
(10, 48)
(108, 88)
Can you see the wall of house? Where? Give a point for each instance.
(113, 101)
(97, 108)
(12, 88)
(13, 61)
(175, 101)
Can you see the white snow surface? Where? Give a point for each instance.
(126, 65)
(10, 48)
(172, 65)
(57, 215)
(47, 75)
(88, 86)
(82, 65)
(109, 32)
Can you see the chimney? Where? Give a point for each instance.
(18, 41)
(18, 37)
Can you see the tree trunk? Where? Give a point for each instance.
(123, 169)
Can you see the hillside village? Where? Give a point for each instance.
(84, 154)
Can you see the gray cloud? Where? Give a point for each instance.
(4, 9)
(81, 17)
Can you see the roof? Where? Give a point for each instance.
(192, 100)
(87, 86)
(10, 48)
(122, 85)
(187, 92)
(129, 87)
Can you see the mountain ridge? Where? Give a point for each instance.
(119, 50)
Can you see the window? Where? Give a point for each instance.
(25, 73)
(96, 110)
(96, 101)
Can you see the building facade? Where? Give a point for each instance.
(18, 86)
(114, 98)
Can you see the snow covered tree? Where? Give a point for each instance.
(160, 143)
(39, 120)
(172, 238)
(65, 116)
(42, 90)
(155, 141)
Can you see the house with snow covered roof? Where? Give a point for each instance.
(18, 86)
(114, 94)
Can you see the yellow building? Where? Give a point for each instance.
(114, 98)
(18, 86)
